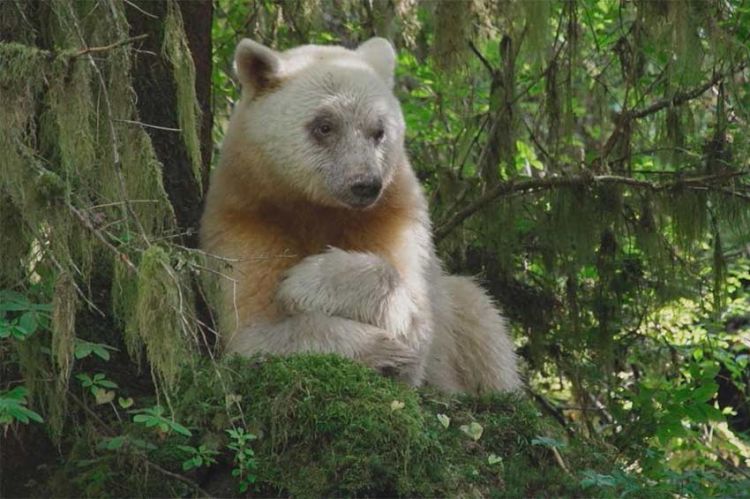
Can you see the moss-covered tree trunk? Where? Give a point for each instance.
(160, 93)
(105, 145)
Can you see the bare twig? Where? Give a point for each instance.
(136, 7)
(92, 50)
(147, 125)
(97, 233)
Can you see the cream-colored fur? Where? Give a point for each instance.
(320, 265)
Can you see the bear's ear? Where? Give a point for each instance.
(379, 53)
(257, 66)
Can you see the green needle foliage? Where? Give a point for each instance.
(586, 159)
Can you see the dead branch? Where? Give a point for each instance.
(86, 221)
(92, 50)
(626, 117)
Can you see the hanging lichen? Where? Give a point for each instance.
(176, 50)
(536, 18)
(162, 316)
(124, 294)
(687, 209)
(13, 241)
(685, 44)
(82, 189)
(64, 304)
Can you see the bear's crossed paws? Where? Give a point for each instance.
(356, 286)
(348, 284)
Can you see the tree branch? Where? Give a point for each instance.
(626, 117)
(484, 61)
(92, 50)
(86, 221)
(538, 184)
(681, 97)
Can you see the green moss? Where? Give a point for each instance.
(329, 427)
(326, 426)
(64, 305)
(13, 241)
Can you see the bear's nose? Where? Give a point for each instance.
(367, 189)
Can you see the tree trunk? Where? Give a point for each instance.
(155, 85)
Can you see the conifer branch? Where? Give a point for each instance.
(626, 117)
(681, 97)
(703, 182)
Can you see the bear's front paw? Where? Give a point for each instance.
(393, 358)
(338, 283)
(304, 288)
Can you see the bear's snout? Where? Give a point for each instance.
(366, 190)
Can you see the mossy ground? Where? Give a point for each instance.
(328, 427)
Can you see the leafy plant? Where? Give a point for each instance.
(13, 407)
(85, 349)
(153, 417)
(99, 386)
(197, 456)
(19, 317)
(244, 457)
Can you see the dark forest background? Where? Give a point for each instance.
(586, 159)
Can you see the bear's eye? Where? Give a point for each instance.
(378, 135)
(323, 129)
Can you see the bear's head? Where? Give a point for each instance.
(324, 118)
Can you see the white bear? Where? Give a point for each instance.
(318, 210)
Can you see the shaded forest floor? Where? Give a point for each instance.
(317, 426)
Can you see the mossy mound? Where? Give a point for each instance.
(325, 426)
(330, 427)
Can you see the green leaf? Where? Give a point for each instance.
(103, 396)
(180, 429)
(444, 420)
(28, 322)
(85, 348)
(474, 430)
(594, 479)
(13, 407)
(115, 443)
(106, 383)
(85, 380)
(705, 392)
(125, 403)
